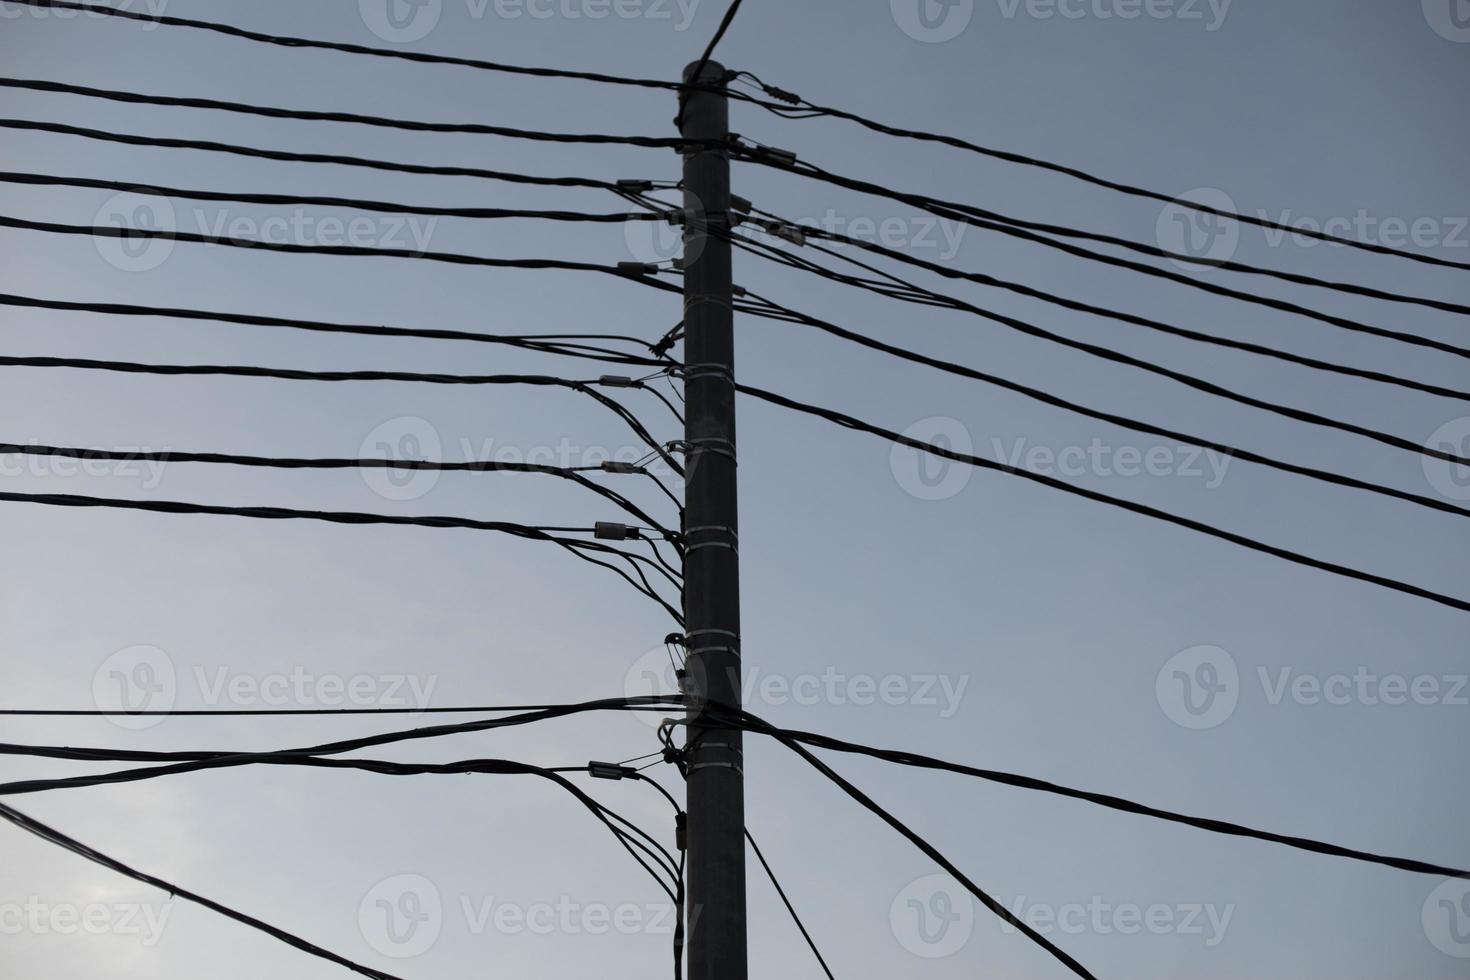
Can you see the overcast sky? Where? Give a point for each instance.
(888, 600)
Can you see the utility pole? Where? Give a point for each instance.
(715, 903)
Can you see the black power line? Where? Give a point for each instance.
(916, 294)
(808, 108)
(41, 830)
(754, 724)
(964, 214)
(775, 882)
(382, 122)
(848, 421)
(789, 315)
(1318, 364)
(709, 51)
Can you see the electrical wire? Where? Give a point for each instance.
(1096, 350)
(753, 724)
(810, 109)
(1082, 307)
(572, 474)
(963, 214)
(45, 832)
(709, 52)
(408, 377)
(848, 421)
(786, 314)
(1028, 231)
(382, 122)
(383, 207)
(578, 548)
(811, 944)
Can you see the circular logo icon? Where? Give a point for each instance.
(924, 475)
(402, 916)
(656, 672)
(932, 21)
(136, 679)
(1450, 480)
(1446, 918)
(1205, 239)
(136, 220)
(933, 917)
(1199, 688)
(402, 439)
(401, 21)
(1449, 18)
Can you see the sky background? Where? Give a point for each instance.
(1055, 624)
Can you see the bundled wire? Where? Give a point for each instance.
(588, 551)
(967, 215)
(752, 723)
(47, 833)
(911, 292)
(849, 422)
(587, 388)
(382, 122)
(797, 107)
(777, 225)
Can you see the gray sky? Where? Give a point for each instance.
(1013, 627)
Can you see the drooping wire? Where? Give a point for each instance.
(791, 909)
(848, 421)
(803, 108)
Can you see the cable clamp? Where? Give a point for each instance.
(608, 531)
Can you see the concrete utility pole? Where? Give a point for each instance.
(716, 786)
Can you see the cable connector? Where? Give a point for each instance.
(616, 381)
(611, 770)
(794, 234)
(638, 268)
(681, 830)
(781, 95)
(776, 154)
(615, 466)
(740, 205)
(737, 291)
(607, 531)
(635, 186)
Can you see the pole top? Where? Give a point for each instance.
(712, 69)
